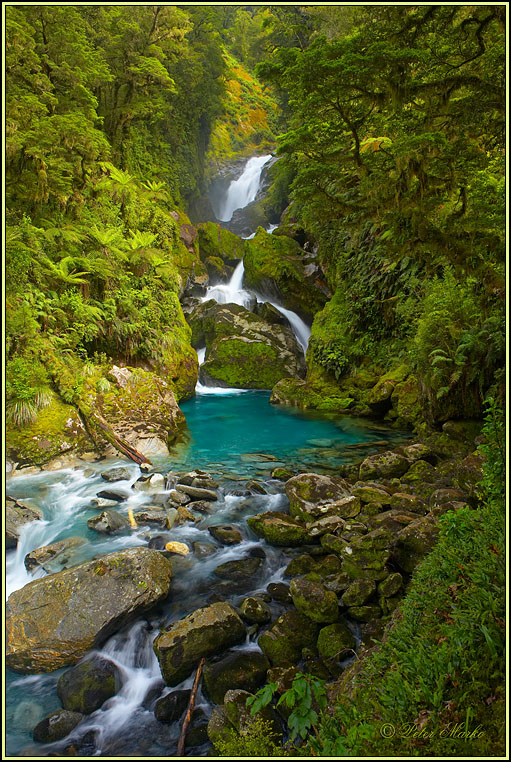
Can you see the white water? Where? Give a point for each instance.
(300, 329)
(232, 292)
(243, 190)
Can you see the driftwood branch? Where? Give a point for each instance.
(117, 442)
(191, 704)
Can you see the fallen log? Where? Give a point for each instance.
(191, 704)
(120, 444)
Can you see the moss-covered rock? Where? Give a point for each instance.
(358, 592)
(390, 586)
(53, 621)
(328, 397)
(57, 429)
(17, 514)
(383, 466)
(279, 528)
(414, 542)
(407, 401)
(244, 670)
(243, 350)
(366, 556)
(87, 686)
(368, 494)
(284, 640)
(311, 495)
(243, 569)
(334, 640)
(379, 398)
(203, 633)
(216, 241)
(169, 708)
(57, 725)
(274, 265)
(255, 610)
(314, 600)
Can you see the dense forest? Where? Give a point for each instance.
(388, 124)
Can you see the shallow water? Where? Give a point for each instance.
(233, 436)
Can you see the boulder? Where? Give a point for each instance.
(203, 549)
(383, 466)
(414, 542)
(393, 520)
(243, 350)
(87, 686)
(108, 522)
(227, 534)
(197, 493)
(283, 642)
(117, 496)
(365, 557)
(370, 494)
(53, 621)
(410, 503)
(241, 569)
(390, 586)
(169, 708)
(279, 592)
(116, 474)
(205, 632)
(364, 613)
(314, 600)
(255, 610)
(150, 483)
(310, 494)
(358, 592)
(57, 725)
(244, 670)
(179, 497)
(278, 528)
(419, 473)
(17, 514)
(335, 640)
(46, 554)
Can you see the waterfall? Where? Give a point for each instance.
(232, 292)
(243, 190)
(300, 329)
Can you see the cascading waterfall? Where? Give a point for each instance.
(232, 292)
(243, 191)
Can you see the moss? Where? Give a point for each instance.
(215, 241)
(275, 264)
(334, 639)
(250, 365)
(58, 429)
(290, 391)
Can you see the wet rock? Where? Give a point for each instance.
(57, 725)
(227, 534)
(108, 522)
(87, 686)
(41, 556)
(203, 549)
(17, 514)
(202, 506)
(255, 610)
(257, 487)
(197, 493)
(445, 495)
(419, 451)
(325, 525)
(158, 542)
(278, 528)
(300, 565)
(337, 583)
(100, 502)
(335, 640)
(116, 495)
(333, 544)
(235, 706)
(205, 632)
(283, 642)
(314, 600)
(358, 592)
(279, 592)
(245, 670)
(383, 466)
(53, 621)
(154, 517)
(170, 708)
(414, 542)
(308, 493)
(241, 569)
(283, 474)
(393, 520)
(116, 474)
(150, 483)
(197, 733)
(179, 497)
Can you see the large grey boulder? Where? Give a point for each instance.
(312, 495)
(52, 622)
(17, 514)
(205, 632)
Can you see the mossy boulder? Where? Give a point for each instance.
(283, 642)
(17, 514)
(139, 406)
(311, 495)
(227, 534)
(328, 397)
(57, 725)
(58, 429)
(169, 708)
(410, 503)
(414, 542)
(419, 472)
(335, 640)
(314, 600)
(255, 610)
(53, 621)
(204, 632)
(379, 398)
(358, 592)
(216, 241)
(87, 686)
(366, 556)
(244, 670)
(369, 494)
(383, 466)
(275, 265)
(406, 401)
(390, 586)
(243, 569)
(242, 349)
(279, 528)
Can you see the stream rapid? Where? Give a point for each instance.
(235, 435)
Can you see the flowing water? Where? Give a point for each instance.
(235, 435)
(243, 191)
